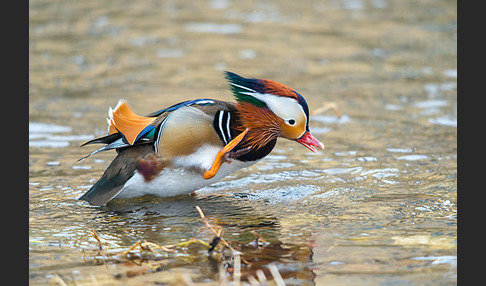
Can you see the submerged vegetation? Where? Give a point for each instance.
(236, 262)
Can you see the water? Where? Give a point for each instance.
(376, 207)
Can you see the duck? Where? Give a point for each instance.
(195, 143)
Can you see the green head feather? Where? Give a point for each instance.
(242, 88)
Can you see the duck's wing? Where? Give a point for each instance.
(120, 170)
(126, 129)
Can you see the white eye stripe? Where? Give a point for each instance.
(243, 87)
(285, 107)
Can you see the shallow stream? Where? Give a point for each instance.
(376, 207)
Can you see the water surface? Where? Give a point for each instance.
(376, 207)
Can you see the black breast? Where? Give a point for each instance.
(225, 124)
(257, 154)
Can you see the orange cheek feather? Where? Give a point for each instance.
(293, 132)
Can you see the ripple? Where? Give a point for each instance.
(443, 120)
(390, 106)
(143, 40)
(451, 73)
(170, 53)
(284, 194)
(367, 159)
(247, 54)
(433, 89)
(218, 4)
(400, 150)
(413, 157)
(329, 119)
(48, 143)
(321, 130)
(431, 103)
(214, 28)
(446, 259)
(381, 173)
(340, 171)
(42, 135)
(37, 127)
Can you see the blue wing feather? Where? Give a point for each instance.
(145, 131)
(201, 101)
(119, 143)
(148, 134)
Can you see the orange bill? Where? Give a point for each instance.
(219, 157)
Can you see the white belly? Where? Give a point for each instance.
(182, 179)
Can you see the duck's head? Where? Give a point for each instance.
(270, 109)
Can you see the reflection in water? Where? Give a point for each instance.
(159, 220)
(173, 218)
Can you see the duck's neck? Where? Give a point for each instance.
(257, 154)
(263, 131)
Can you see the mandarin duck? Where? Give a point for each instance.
(195, 143)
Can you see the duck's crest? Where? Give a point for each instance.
(245, 89)
(255, 90)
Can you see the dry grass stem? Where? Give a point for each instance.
(102, 240)
(325, 107)
(56, 280)
(143, 251)
(217, 233)
(253, 281)
(262, 279)
(276, 275)
(237, 270)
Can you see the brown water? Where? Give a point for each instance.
(376, 207)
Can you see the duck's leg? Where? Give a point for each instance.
(221, 156)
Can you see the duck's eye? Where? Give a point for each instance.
(291, 122)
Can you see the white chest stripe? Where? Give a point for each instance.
(228, 131)
(220, 126)
(223, 125)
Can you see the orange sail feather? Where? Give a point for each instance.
(123, 120)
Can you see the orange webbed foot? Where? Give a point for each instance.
(222, 156)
